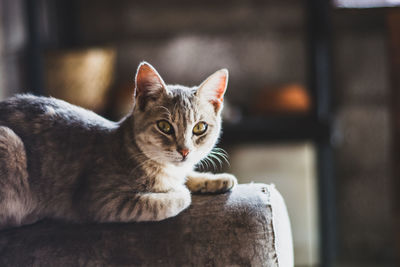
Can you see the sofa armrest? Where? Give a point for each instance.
(248, 226)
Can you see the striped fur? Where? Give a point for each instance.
(61, 161)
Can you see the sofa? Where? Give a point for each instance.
(248, 226)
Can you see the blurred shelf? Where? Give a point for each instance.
(274, 129)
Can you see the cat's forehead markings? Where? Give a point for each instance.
(192, 115)
(175, 112)
(165, 113)
(183, 105)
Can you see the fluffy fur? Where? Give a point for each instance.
(61, 161)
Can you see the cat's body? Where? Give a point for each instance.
(61, 161)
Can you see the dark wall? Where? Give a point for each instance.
(13, 39)
(364, 178)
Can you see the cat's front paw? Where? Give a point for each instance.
(211, 183)
(221, 183)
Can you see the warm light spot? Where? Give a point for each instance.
(282, 99)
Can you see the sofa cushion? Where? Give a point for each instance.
(248, 226)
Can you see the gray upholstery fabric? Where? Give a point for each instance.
(217, 230)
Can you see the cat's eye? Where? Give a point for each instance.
(200, 128)
(165, 127)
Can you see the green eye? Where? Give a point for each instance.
(200, 128)
(165, 127)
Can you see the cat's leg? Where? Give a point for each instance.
(128, 206)
(199, 182)
(15, 202)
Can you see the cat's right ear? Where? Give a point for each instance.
(148, 84)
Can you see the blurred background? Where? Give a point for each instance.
(313, 103)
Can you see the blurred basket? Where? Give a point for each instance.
(81, 77)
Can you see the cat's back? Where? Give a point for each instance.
(37, 114)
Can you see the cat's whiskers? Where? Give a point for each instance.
(206, 162)
(211, 155)
(221, 153)
(216, 154)
(202, 163)
(207, 159)
(220, 150)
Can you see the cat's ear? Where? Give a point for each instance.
(148, 84)
(214, 87)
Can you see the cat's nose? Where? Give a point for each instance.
(184, 152)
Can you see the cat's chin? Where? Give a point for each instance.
(182, 163)
(175, 163)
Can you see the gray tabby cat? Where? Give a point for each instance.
(61, 161)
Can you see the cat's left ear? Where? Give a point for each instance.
(214, 87)
(148, 84)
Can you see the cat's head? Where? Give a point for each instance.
(174, 124)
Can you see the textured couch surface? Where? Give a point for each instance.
(245, 227)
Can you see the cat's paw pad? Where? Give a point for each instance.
(221, 183)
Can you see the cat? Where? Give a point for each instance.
(61, 161)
